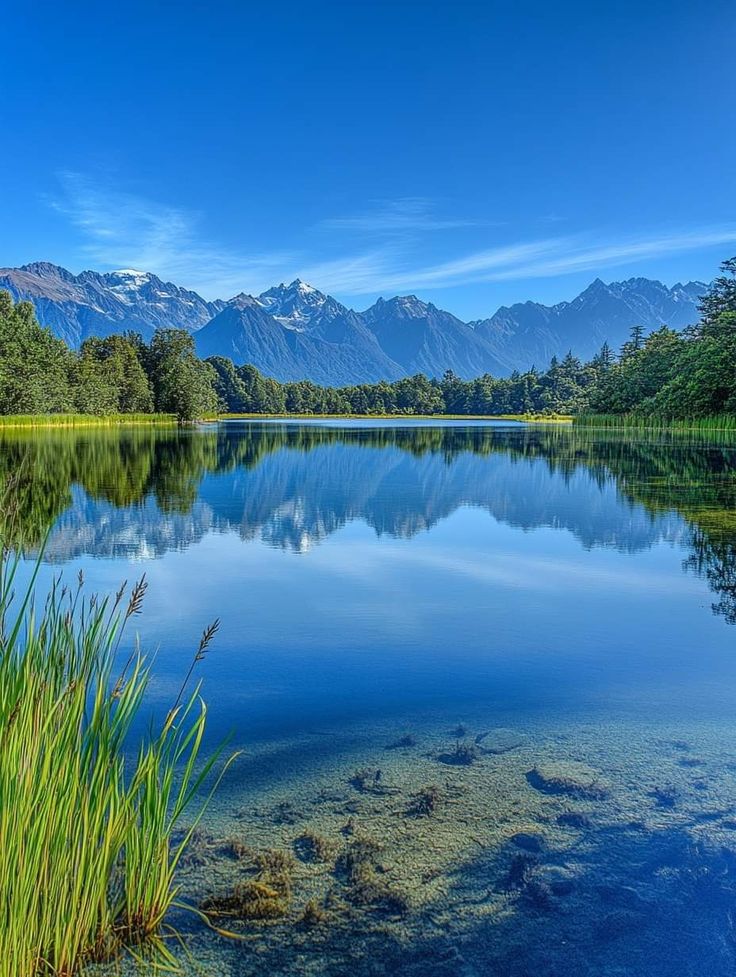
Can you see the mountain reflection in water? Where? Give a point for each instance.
(139, 493)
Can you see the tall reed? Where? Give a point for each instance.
(87, 859)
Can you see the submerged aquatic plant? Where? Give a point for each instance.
(463, 755)
(314, 914)
(403, 742)
(369, 780)
(425, 802)
(87, 860)
(363, 875)
(314, 847)
(267, 896)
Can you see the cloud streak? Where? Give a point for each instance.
(408, 214)
(125, 230)
(544, 258)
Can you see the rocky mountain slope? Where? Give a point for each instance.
(424, 339)
(93, 304)
(529, 333)
(295, 332)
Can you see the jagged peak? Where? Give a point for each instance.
(410, 301)
(297, 287)
(46, 268)
(597, 285)
(243, 299)
(301, 286)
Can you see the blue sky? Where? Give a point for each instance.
(475, 153)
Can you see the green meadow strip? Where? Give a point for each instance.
(82, 420)
(724, 423)
(529, 418)
(87, 857)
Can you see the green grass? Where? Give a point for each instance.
(529, 418)
(87, 861)
(82, 420)
(117, 420)
(725, 423)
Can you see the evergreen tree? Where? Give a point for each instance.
(635, 342)
(721, 296)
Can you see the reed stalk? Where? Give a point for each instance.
(87, 861)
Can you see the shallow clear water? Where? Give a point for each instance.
(377, 580)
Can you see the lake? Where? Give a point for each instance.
(491, 664)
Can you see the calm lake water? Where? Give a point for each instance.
(556, 607)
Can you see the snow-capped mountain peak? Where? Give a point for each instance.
(99, 303)
(130, 273)
(302, 287)
(295, 306)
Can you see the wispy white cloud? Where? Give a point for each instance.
(389, 270)
(579, 255)
(408, 214)
(127, 230)
(130, 231)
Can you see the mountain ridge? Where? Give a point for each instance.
(93, 303)
(600, 313)
(294, 331)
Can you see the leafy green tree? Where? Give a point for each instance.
(110, 378)
(34, 365)
(263, 394)
(182, 384)
(231, 391)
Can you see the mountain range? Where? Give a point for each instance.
(294, 332)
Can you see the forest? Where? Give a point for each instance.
(666, 374)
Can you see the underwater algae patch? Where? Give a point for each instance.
(568, 777)
(501, 877)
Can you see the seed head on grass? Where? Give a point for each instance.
(135, 604)
(204, 642)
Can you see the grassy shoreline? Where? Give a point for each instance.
(526, 418)
(82, 420)
(720, 424)
(123, 420)
(609, 422)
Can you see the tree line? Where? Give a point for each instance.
(671, 374)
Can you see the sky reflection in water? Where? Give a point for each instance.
(380, 569)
